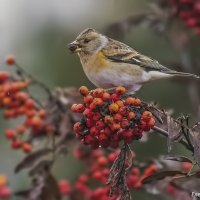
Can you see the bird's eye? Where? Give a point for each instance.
(86, 40)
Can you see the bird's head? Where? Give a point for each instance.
(88, 41)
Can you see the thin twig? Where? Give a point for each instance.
(34, 80)
(166, 134)
(186, 134)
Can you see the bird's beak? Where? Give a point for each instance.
(74, 47)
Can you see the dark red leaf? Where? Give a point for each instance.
(29, 160)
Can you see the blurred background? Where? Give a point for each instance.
(37, 33)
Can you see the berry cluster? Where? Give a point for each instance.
(189, 12)
(16, 102)
(98, 164)
(110, 117)
(5, 191)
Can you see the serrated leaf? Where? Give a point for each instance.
(178, 158)
(161, 175)
(116, 178)
(29, 160)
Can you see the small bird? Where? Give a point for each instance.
(109, 63)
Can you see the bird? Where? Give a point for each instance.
(109, 63)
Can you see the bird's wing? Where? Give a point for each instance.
(119, 52)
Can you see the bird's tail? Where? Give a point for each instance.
(175, 73)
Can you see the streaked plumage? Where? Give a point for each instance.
(108, 63)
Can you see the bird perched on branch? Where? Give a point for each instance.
(109, 63)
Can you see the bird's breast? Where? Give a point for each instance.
(94, 63)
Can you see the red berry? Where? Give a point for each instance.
(114, 97)
(120, 103)
(117, 117)
(21, 96)
(96, 116)
(10, 60)
(171, 189)
(9, 113)
(94, 130)
(137, 102)
(113, 108)
(130, 101)
(115, 126)
(127, 135)
(83, 90)
(186, 166)
(197, 6)
(30, 113)
(89, 123)
(88, 113)
(10, 134)
(114, 144)
(77, 127)
(3, 180)
(97, 101)
(132, 180)
(106, 96)
(151, 123)
(107, 131)
(120, 90)
(5, 192)
(80, 108)
(4, 76)
(138, 185)
(36, 122)
(108, 119)
(131, 116)
(123, 111)
(98, 92)
(135, 171)
(64, 187)
(30, 103)
(191, 22)
(6, 101)
(100, 125)
(73, 107)
(124, 123)
(21, 129)
(112, 156)
(102, 138)
(27, 147)
(146, 115)
(16, 144)
(150, 170)
(88, 99)
(102, 161)
(42, 113)
(84, 178)
(97, 175)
